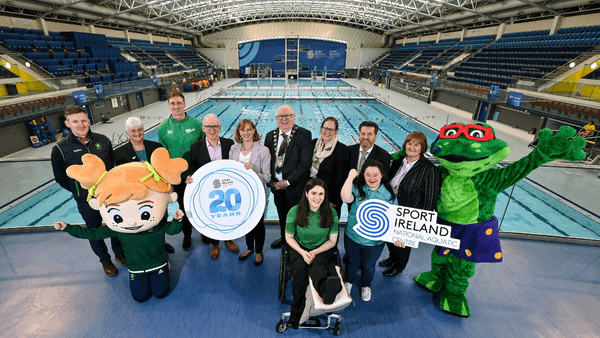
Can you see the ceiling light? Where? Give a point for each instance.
(594, 65)
(7, 65)
(27, 64)
(572, 64)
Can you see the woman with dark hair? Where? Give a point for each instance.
(256, 157)
(311, 232)
(371, 183)
(330, 161)
(417, 183)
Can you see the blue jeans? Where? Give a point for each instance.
(361, 255)
(93, 220)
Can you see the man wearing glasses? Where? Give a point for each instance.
(177, 134)
(212, 148)
(291, 156)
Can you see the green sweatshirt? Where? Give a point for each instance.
(144, 251)
(178, 136)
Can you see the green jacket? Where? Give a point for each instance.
(144, 251)
(177, 137)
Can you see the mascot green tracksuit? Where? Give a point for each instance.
(470, 186)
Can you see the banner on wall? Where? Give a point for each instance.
(225, 201)
(99, 90)
(381, 221)
(493, 92)
(79, 97)
(514, 99)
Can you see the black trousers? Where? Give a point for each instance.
(322, 267)
(283, 207)
(399, 255)
(185, 222)
(255, 239)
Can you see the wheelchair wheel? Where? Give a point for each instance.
(283, 273)
(281, 326)
(337, 328)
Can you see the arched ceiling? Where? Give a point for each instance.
(398, 18)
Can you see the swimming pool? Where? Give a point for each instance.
(530, 210)
(287, 83)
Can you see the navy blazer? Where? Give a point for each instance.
(199, 153)
(378, 154)
(126, 153)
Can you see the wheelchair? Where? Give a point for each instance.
(314, 304)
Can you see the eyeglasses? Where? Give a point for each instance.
(328, 129)
(285, 117)
(472, 132)
(212, 127)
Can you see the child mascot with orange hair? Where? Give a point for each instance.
(133, 199)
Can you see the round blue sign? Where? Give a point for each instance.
(225, 201)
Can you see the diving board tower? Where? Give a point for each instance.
(261, 70)
(292, 44)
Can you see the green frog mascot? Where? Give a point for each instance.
(470, 186)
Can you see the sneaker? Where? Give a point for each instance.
(365, 293)
(121, 258)
(232, 246)
(169, 248)
(214, 252)
(110, 269)
(348, 287)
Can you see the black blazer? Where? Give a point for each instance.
(126, 153)
(296, 166)
(200, 156)
(334, 170)
(378, 154)
(420, 188)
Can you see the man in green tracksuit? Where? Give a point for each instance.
(177, 134)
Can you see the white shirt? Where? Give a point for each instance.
(246, 158)
(400, 175)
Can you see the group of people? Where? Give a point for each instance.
(310, 180)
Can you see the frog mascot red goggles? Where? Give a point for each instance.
(472, 132)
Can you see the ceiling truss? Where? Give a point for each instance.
(188, 18)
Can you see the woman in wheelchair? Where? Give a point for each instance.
(311, 232)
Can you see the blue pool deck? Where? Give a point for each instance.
(538, 205)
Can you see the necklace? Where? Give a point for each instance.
(247, 149)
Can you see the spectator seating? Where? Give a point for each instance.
(565, 108)
(31, 106)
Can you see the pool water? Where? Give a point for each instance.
(530, 210)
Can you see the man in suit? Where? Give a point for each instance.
(203, 151)
(367, 149)
(291, 156)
